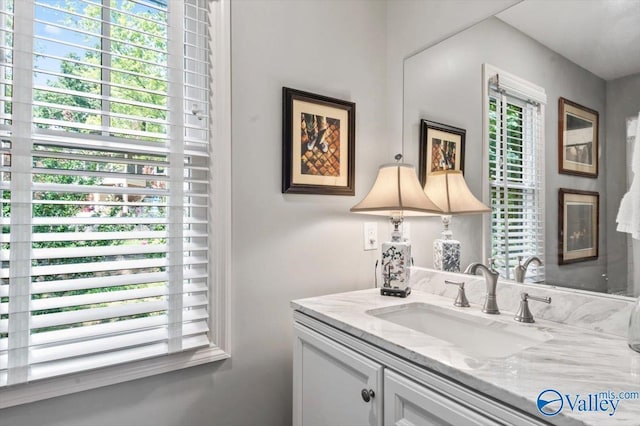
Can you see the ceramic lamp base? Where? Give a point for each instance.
(396, 259)
(446, 255)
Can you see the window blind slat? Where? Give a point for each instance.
(106, 344)
(103, 220)
(102, 313)
(98, 97)
(112, 262)
(194, 319)
(56, 368)
(110, 236)
(111, 328)
(88, 142)
(106, 281)
(76, 268)
(49, 303)
(94, 50)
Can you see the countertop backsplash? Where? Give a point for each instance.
(604, 313)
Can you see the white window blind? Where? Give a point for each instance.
(516, 174)
(104, 183)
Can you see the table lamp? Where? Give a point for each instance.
(396, 193)
(449, 191)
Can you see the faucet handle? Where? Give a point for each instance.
(461, 299)
(525, 296)
(491, 263)
(524, 314)
(519, 260)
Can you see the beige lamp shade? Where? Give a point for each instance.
(449, 191)
(397, 193)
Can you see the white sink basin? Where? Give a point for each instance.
(480, 336)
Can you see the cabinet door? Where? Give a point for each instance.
(407, 403)
(328, 383)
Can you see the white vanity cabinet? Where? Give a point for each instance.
(333, 385)
(339, 380)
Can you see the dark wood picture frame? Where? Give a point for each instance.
(318, 144)
(456, 139)
(578, 235)
(578, 128)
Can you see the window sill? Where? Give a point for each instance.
(64, 385)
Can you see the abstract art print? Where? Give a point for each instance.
(577, 139)
(441, 148)
(318, 144)
(578, 225)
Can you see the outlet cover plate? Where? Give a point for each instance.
(370, 235)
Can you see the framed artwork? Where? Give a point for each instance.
(577, 139)
(578, 217)
(441, 148)
(318, 144)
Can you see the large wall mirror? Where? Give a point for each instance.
(587, 53)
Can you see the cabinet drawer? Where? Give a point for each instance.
(408, 403)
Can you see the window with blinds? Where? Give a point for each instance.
(516, 174)
(104, 181)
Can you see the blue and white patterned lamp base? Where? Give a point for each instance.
(446, 255)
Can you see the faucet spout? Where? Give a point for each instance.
(491, 281)
(532, 259)
(520, 271)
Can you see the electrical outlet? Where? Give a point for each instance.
(370, 235)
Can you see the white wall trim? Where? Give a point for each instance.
(220, 250)
(515, 85)
(71, 383)
(220, 209)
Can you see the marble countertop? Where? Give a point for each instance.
(575, 361)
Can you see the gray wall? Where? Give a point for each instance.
(411, 27)
(444, 84)
(623, 101)
(284, 246)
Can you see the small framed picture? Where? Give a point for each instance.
(577, 139)
(441, 148)
(578, 225)
(318, 144)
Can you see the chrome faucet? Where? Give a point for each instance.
(521, 269)
(491, 280)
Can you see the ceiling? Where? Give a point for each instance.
(602, 36)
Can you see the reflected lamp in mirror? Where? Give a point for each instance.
(449, 191)
(396, 193)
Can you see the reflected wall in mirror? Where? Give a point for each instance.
(444, 83)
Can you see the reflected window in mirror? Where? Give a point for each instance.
(516, 174)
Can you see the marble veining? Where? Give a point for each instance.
(603, 313)
(577, 360)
